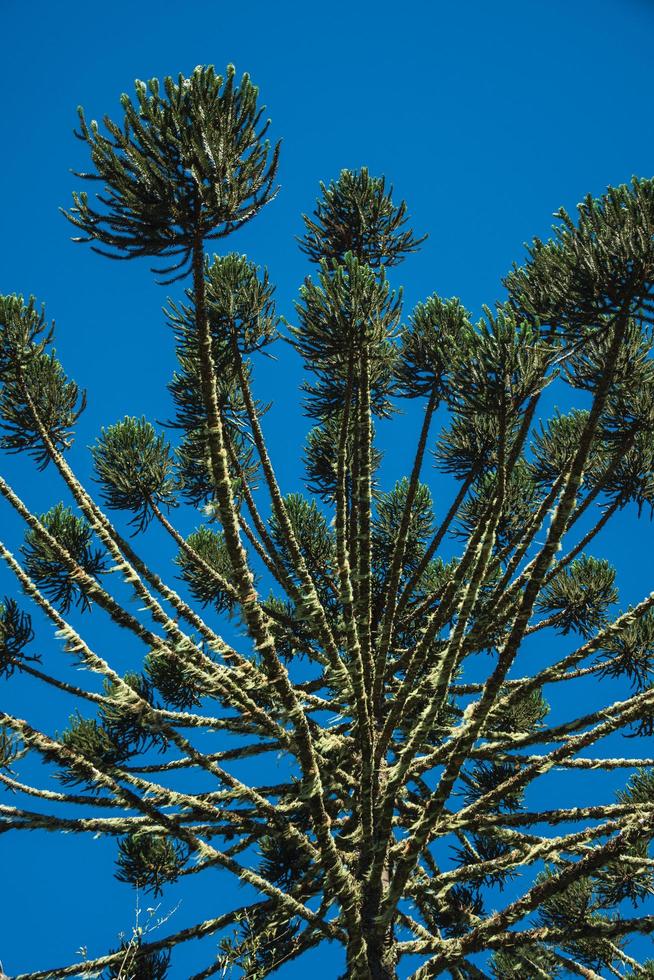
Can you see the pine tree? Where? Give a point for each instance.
(402, 826)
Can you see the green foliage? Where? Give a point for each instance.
(260, 943)
(189, 155)
(50, 571)
(356, 214)
(209, 546)
(556, 443)
(602, 265)
(645, 969)
(320, 458)
(498, 365)
(37, 383)
(240, 304)
(630, 651)
(21, 326)
(620, 881)
(428, 346)
(350, 309)
(639, 789)
(247, 314)
(175, 680)
(15, 634)
(572, 910)
(404, 761)
(290, 633)
(138, 964)
(467, 446)
(580, 595)
(486, 777)
(630, 478)
(135, 468)
(521, 498)
(150, 860)
(88, 738)
(125, 719)
(484, 847)
(386, 526)
(524, 714)
(464, 907)
(631, 368)
(121, 730)
(282, 860)
(314, 537)
(527, 961)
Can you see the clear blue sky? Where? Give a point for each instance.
(486, 116)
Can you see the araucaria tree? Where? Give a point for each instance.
(402, 692)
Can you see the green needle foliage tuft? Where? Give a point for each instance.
(580, 595)
(209, 546)
(135, 963)
(356, 214)
(149, 860)
(341, 698)
(15, 634)
(36, 386)
(136, 469)
(188, 156)
(94, 749)
(50, 571)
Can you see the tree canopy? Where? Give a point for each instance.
(332, 627)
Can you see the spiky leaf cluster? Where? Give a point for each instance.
(498, 365)
(527, 961)
(630, 652)
(135, 468)
(188, 157)
(467, 446)
(594, 268)
(23, 330)
(350, 310)
(428, 346)
(476, 849)
(356, 214)
(126, 718)
(9, 749)
(239, 308)
(209, 546)
(86, 737)
(463, 909)
(574, 909)
(314, 537)
(580, 595)
(629, 476)
(320, 457)
(389, 509)
(36, 385)
(50, 570)
(521, 498)
(149, 860)
(282, 861)
(15, 634)
(137, 963)
(487, 777)
(555, 444)
(523, 714)
(175, 679)
(632, 368)
(48, 564)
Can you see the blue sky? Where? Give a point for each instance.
(485, 117)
